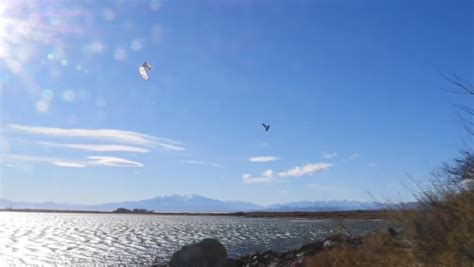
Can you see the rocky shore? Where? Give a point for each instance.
(211, 253)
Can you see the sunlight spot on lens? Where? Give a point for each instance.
(42, 105)
(48, 94)
(50, 56)
(69, 96)
(136, 45)
(24, 53)
(64, 62)
(15, 67)
(78, 67)
(96, 47)
(120, 54)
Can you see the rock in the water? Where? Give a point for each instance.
(207, 253)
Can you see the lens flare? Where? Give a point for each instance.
(29, 27)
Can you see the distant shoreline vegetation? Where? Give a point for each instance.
(317, 215)
(137, 211)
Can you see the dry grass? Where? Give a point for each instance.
(377, 250)
(438, 233)
(442, 233)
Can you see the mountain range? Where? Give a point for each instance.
(197, 203)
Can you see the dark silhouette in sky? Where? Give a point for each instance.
(267, 127)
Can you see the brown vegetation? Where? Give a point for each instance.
(438, 233)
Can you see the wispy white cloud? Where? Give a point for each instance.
(113, 161)
(263, 159)
(96, 47)
(133, 142)
(305, 170)
(69, 164)
(111, 135)
(65, 162)
(10, 165)
(172, 147)
(268, 173)
(329, 155)
(99, 148)
(197, 162)
(248, 179)
(269, 176)
(372, 164)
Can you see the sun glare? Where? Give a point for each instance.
(13, 33)
(31, 31)
(3, 30)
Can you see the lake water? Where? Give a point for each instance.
(67, 238)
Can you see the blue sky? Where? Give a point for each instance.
(351, 89)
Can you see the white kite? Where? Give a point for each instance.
(144, 69)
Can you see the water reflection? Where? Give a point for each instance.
(48, 238)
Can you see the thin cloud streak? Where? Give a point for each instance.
(263, 159)
(197, 162)
(68, 164)
(127, 137)
(98, 148)
(172, 147)
(113, 161)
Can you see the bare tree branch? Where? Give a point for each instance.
(466, 88)
(466, 114)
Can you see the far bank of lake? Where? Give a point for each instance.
(356, 214)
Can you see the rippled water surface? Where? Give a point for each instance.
(68, 238)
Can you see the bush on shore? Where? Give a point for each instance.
(439, 232)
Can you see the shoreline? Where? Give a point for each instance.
(353, 214)
(210, 252)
